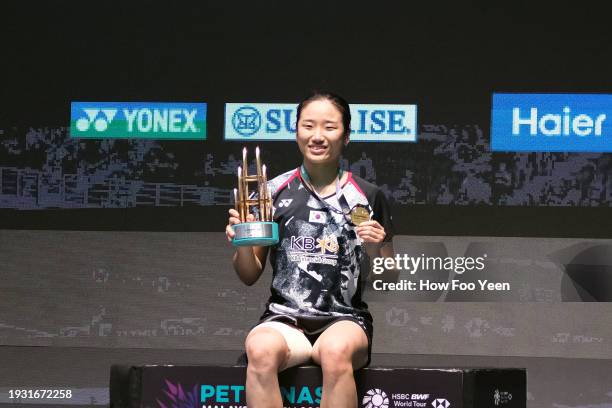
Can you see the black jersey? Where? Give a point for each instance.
(319, 262)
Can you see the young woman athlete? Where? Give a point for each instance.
(331, 223)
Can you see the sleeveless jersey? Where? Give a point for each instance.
(319, 262)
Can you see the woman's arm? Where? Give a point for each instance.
(249, 261)
(373, 235)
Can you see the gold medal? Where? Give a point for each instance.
(359, 215)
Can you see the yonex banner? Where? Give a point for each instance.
(551, 122)
(138, 120)
(369, 123)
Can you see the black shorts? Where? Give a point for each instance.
(313, 326)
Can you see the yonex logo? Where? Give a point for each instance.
(286, 202)
(100, 123)
(141, 120)
(375, 398)
(138, 120)
(246, 121)
(440, 403)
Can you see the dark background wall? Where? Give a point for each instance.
(447, 59)
(116, 280)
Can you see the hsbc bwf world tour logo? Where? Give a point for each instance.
(377, 398)
(138, 120)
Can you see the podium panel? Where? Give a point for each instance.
(167, 386)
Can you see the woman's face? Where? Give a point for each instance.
(320, 133)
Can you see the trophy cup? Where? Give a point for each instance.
(263, 231)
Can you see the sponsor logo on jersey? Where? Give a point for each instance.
(323, 250)
(285, 202)
(325, 245)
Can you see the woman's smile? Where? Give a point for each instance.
(317, 149)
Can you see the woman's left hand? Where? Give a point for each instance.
(371, 231)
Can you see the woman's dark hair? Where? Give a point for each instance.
(338, 101)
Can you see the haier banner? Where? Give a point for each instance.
(369, 123)
(551, 123)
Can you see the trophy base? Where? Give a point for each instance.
(257, 233)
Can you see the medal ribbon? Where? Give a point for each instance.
(340, 197)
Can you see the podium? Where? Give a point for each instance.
(167, 386)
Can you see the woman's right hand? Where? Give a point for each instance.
(234, 218)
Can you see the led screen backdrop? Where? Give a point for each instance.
(435, 115)
(449, 165)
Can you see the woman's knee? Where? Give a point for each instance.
(336, 357)
(266, 349)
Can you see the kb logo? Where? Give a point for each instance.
(246, 121)
(100, 123)
(302, 243)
